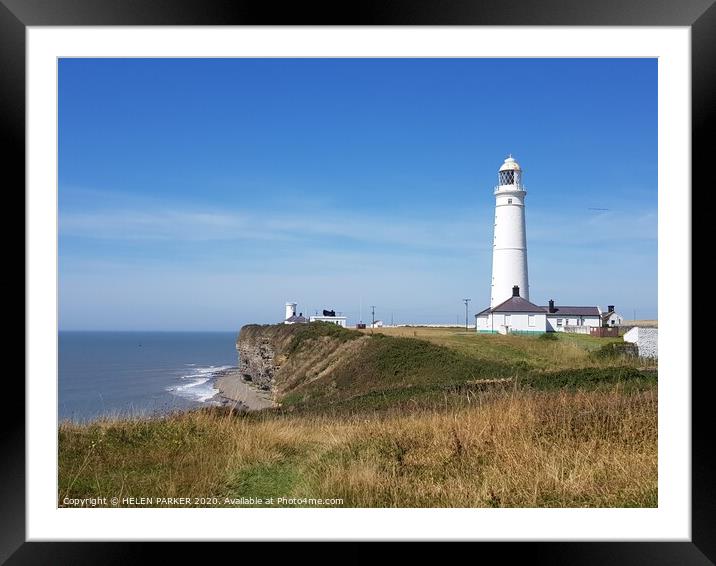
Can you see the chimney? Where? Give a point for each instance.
(610, 308)
(515, 291)
(551, 306)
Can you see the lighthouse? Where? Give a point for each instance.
(510, 310)
(509, 247)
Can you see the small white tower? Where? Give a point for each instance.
(509, 247)
(290, 310)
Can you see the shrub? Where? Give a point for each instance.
(616, 350)
(314, 330)
(549, 336)
(589, 378)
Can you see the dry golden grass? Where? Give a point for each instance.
(560, 449)
(645, 323)
(513, 448)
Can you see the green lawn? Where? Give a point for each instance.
(568, 351)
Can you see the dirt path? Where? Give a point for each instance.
(231, 386)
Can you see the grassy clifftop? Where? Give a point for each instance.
(398, 418)
(324, 366)
(286, 356)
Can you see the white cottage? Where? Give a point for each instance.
(518, 316)
(513, 316)
(560, 317)
(611, 318)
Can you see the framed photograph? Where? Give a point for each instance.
(409, 277)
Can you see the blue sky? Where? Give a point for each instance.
(203, 194)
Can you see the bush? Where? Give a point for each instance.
(314, 330)
(616, 350)
(549, 336)
(589, 378)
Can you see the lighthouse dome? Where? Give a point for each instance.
(510, 165)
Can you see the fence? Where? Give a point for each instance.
(605, 331)
(601, 331)
(577, 329)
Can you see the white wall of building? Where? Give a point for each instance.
(614, 319)
(577, 329)
(290, 310)
(542, 322)
(556, 323)
(505, 323)
(339, 320)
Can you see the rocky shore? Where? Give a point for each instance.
(236, 392)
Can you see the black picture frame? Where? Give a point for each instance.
(699, 15)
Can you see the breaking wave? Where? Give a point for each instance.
(198, 385)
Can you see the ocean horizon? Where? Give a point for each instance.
(139, 373)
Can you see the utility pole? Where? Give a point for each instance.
(373, 309)
(466, 301)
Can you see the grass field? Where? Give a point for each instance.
(423, 417)
(562, 449)
(567, 351)
(647, 323)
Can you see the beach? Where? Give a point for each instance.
(233, 389)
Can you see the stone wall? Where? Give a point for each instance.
(646, 340)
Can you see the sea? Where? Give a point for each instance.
(139, 374)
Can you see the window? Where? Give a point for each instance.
(509, 201)
(531, 320)
(559, 322)
(507, 319)
(507, 177)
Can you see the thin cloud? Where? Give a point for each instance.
(327, 226)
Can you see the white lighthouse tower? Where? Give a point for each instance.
(509, 249)
(290, 310)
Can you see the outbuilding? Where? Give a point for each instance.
(292, 317)
(611, 318)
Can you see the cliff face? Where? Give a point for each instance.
(261, 351)
(282, 357)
